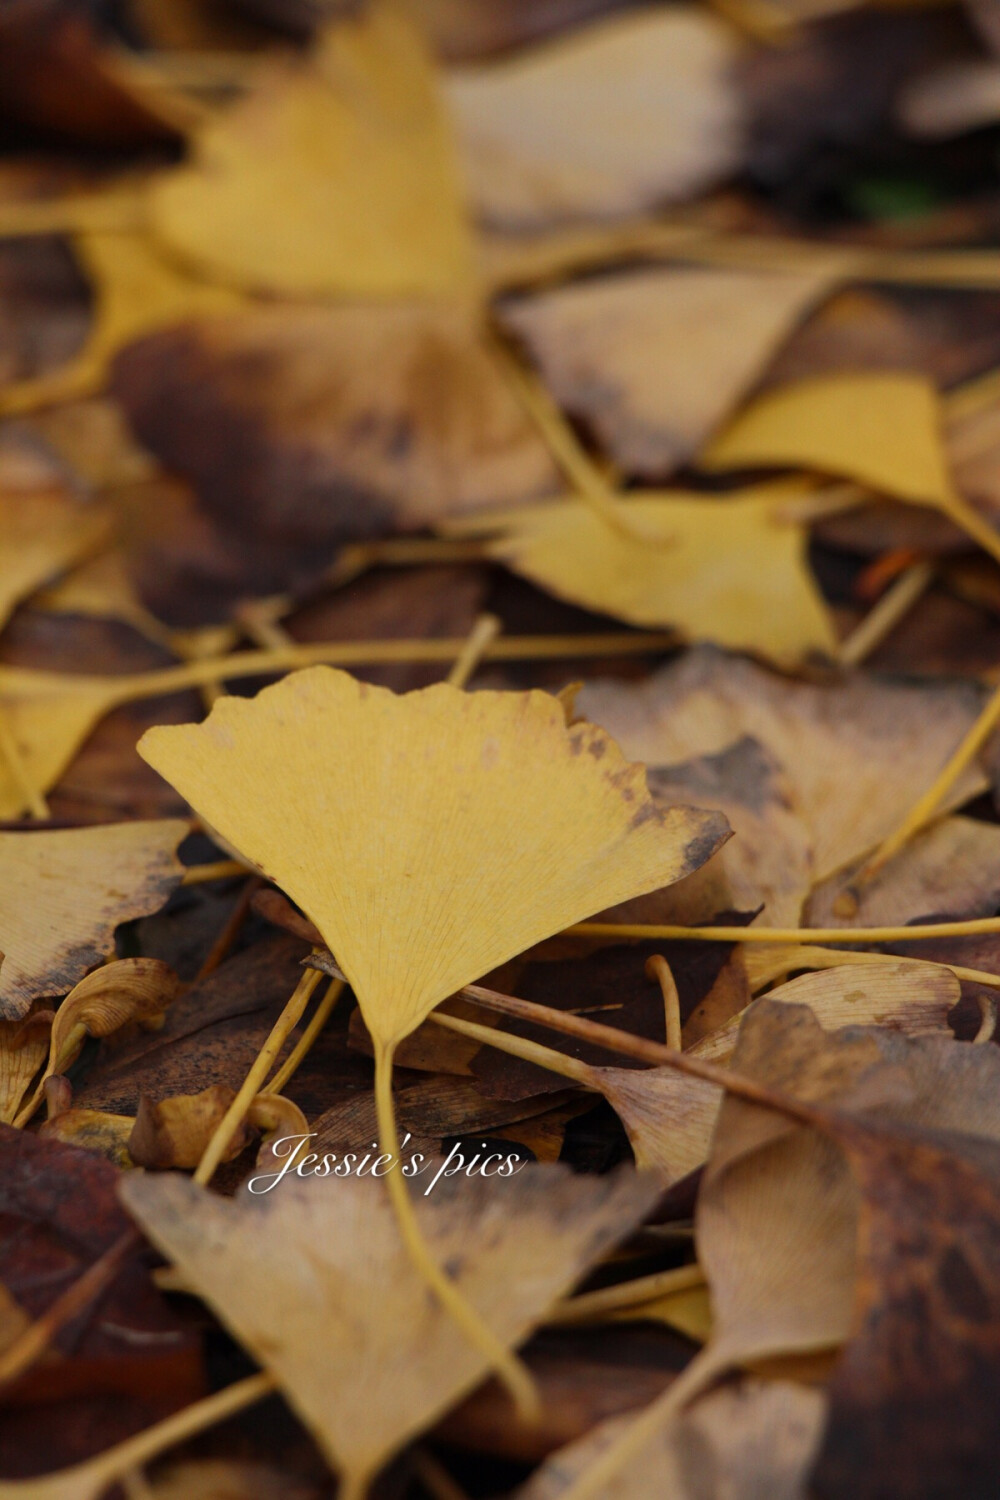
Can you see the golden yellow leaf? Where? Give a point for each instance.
(136, 289)
(314, 1280)
(653, 360)
(607, 120)
(334, 175)
(883, 430)
(174, 1132)
(471, 825)
(42, 534)
(62, 893)
(726, 570)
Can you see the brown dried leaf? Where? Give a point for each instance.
(328, 424)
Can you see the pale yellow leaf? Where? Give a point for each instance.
(313, 1278)
(604, 121)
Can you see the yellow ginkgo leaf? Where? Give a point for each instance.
(41, 534)
(728, 570)
(881, 429)
(336, 174)
(430, 837)
(63, 892)
(136, 290)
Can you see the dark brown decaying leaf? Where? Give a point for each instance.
(379, 418)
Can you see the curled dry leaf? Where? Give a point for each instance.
(316, 1283)
(331, 424)
(175, 1132)
(24, 1046)
(64, 893)
(728, 570)
(473, 825)
(126, 991)
(883, 430)
(858, 751)
(653, 360)
(610, 120)
(350, 150)
(41, 535)
(93, 1130)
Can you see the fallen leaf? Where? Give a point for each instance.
(670, 1118)
(280, 1266)
(756, 1439)
(91, 1130)
(478, 785)
(65, 892)
(351, 151)
(858, 751)
(462, 30)
(24, 1046)
(952, 866)
(769, 861)
(175, 1131)
(654, 360)
(41, 535)
(883, 430)
(727, 570)
(321, 425)
(136, 290)
(612, 119)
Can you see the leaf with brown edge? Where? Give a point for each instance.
(473, 825)
(174, 1132)
(24, 1046)
(63, 893)
(313, 1278)
(728, 569)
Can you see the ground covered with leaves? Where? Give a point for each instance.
(499, 660)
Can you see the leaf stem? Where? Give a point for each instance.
(923, 932)
(505, 1364)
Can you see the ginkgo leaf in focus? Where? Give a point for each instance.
(471, 825)
(313, 1279)
(882, 430)
(653, 360)
(335, 174)
(726, 570)
(63, 893)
